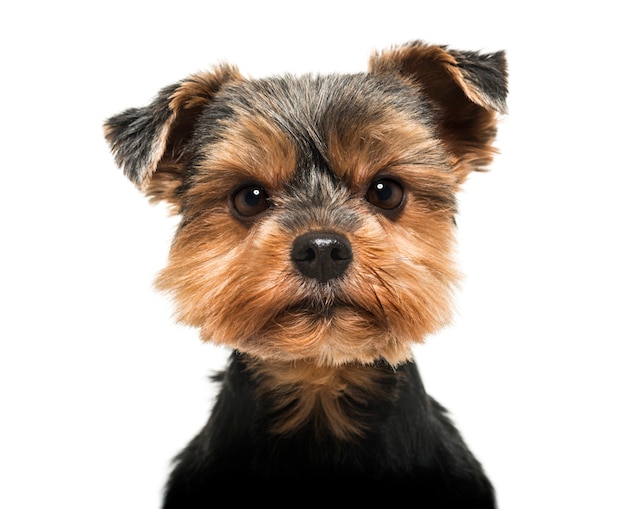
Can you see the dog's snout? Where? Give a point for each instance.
(321, 255)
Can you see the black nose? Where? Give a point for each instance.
(321, 255)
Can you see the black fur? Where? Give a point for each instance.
(411, 448)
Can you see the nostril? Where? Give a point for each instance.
(321, 255)
(305, 255)
(340, 254)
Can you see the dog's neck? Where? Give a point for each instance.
(332, 399)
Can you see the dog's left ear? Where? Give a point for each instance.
(466, 89)
(151, 144)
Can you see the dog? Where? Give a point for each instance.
(317, 223)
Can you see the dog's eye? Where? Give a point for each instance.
(250, 201)
(385, 194)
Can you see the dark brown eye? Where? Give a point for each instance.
(385, 194)
(250, 201)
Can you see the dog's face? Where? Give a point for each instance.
(317, 213)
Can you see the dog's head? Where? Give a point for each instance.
(317, 212)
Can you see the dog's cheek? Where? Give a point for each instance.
(230, 279)
(405, 274)
(428, 270)
(200, 263)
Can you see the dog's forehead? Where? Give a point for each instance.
(323, 101)
(352, 125)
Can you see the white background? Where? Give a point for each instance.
(100, 388)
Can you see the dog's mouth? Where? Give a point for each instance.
(315, 310)
(328, 311)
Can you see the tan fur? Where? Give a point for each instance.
(393, 146)
(300, 392)
(395, 293)
(251, 150)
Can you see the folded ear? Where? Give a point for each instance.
(151, 143)
(466, 89)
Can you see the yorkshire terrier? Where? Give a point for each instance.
(317, 221)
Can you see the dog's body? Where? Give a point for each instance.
(407, 445)
(317, 224)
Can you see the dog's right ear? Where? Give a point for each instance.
(151, 143)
